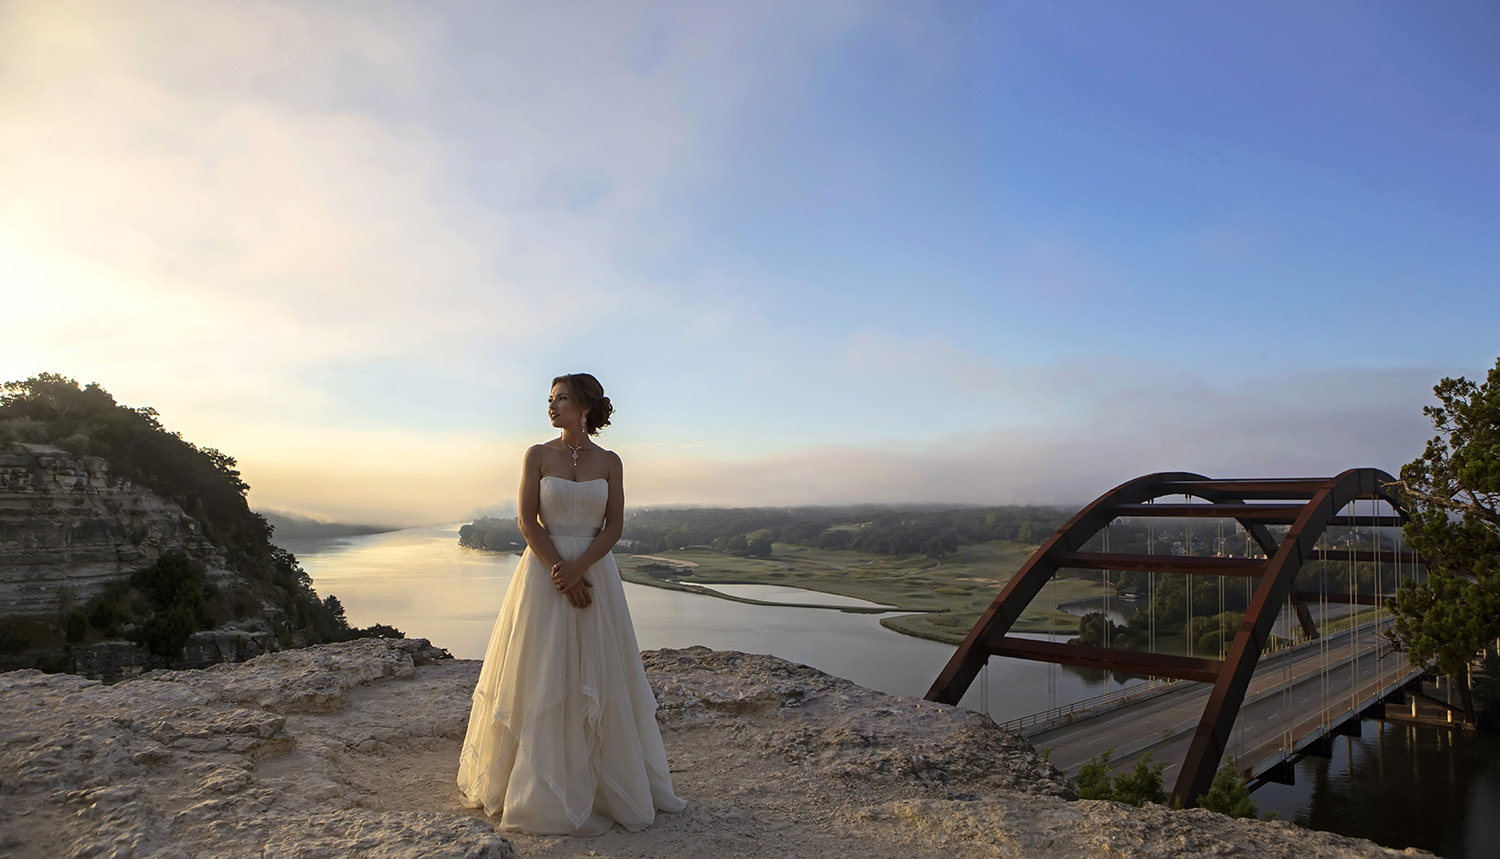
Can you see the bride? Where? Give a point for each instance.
(562, 737)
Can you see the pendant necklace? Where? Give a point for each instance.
(573, 450)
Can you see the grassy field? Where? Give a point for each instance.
(942, 599)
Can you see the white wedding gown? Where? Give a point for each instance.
(562, 737)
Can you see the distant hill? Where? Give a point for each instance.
(294, 526)
(124, 547)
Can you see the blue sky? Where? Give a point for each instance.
(831, 252)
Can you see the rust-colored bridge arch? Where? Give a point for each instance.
(1308, 505)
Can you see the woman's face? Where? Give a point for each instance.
(562, 408)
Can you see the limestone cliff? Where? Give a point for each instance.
(68, 527)
(351, 749)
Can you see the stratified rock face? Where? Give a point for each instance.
(351, 750)
(67, 523)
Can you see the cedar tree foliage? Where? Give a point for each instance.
(1453, 490)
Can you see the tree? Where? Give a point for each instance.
(1093, 779)
(1229, 795)
(1140, 785)
(1095, 630)
(1453, 490)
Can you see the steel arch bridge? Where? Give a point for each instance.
(1308, 505)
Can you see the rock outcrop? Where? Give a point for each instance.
(351, 749)
(68, 527)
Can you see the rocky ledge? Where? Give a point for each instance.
(350, 749)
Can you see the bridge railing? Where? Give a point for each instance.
(1065, 713)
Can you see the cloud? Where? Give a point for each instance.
(316, 235)
(1284, 426)
(245, 197)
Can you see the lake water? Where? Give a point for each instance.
(1397, 785)
(422, 582)
(1400, 786)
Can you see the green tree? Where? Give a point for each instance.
(1093, 779)
(1095, 630)
(1140, 785)
(1453, 489)
(1229, 795)
(78, 626)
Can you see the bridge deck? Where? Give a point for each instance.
(1292, 702)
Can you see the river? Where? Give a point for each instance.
(1396, 785)
(422, 582)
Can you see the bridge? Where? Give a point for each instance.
(1298, 700)
(1262, 702)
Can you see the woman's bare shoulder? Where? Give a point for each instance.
(538, 453)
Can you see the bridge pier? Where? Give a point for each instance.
(1282, 773)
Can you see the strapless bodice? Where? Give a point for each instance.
(567, 505)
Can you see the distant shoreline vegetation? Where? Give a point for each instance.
(752, 531)
(294, 526)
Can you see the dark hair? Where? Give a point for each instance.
(588, 390)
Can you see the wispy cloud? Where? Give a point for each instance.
(350, 243)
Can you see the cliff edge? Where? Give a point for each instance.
(351, 749)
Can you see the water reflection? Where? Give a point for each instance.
(1401, 786)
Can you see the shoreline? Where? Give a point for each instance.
(933, 600)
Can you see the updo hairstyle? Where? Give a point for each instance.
(591, 394)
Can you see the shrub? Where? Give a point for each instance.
(167, 631)
(76, 444)
(78, 626)
(1142, 784)
(102, 617)
(1228, 795)
(1093, 779)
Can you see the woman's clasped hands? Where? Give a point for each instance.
(568, 577)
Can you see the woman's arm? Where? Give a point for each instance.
(530, 503)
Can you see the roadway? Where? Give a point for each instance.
(1291, 701)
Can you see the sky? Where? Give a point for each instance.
(818, 253)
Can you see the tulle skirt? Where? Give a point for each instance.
(562, 737)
